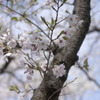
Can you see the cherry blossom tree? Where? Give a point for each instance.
(59, 50)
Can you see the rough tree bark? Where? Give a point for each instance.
(66, 55)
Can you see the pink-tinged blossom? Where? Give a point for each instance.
(26, 45)
(1, 1)
(59, 70)
(61, 42)
(43, 65)
(21, 41)
(72, 19)
(36, 52)
(6, 37)
(70, 31)
(25, 42)
(43, 44)
(29, 77)
(25, 35)
(35, 38)
(30, 72)
(32, 47)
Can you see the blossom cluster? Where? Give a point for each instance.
(73, 21)
(35, 43)
(59, 70)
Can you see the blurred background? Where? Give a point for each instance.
(87, 84)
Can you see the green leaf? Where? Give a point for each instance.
(34, 1)
(52, 21)
(18, 36)
(86, 66)
(64, 1)
(65, 38)
(54, 8)
(14, 18)
(24, 15)
(20, 18)
(0, 27)
(62, 32)
(12, 88)
(16, 87)
(39, 68)
(26, 86)
(12, 2)
(48, 23)
(37, 30)
(43, 19)
(44, 52)
(30, 33)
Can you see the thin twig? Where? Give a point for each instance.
(61, 88)
(26, 19)
(88, 76)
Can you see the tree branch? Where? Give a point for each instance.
(88, 76)
(66, 55)
(94, 29)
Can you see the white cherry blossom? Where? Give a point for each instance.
(35, 38)
(26, 45)
(72, 19)
(25, 35)
(21, 41)
(43, 65)
(35, 52)
(30, 73)
(6, 37)
(61, 42)
(12, 43)
(43, 44)
(59, 70)
(29, 77)
(35, 43)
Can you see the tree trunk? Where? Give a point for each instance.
(51, 86)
